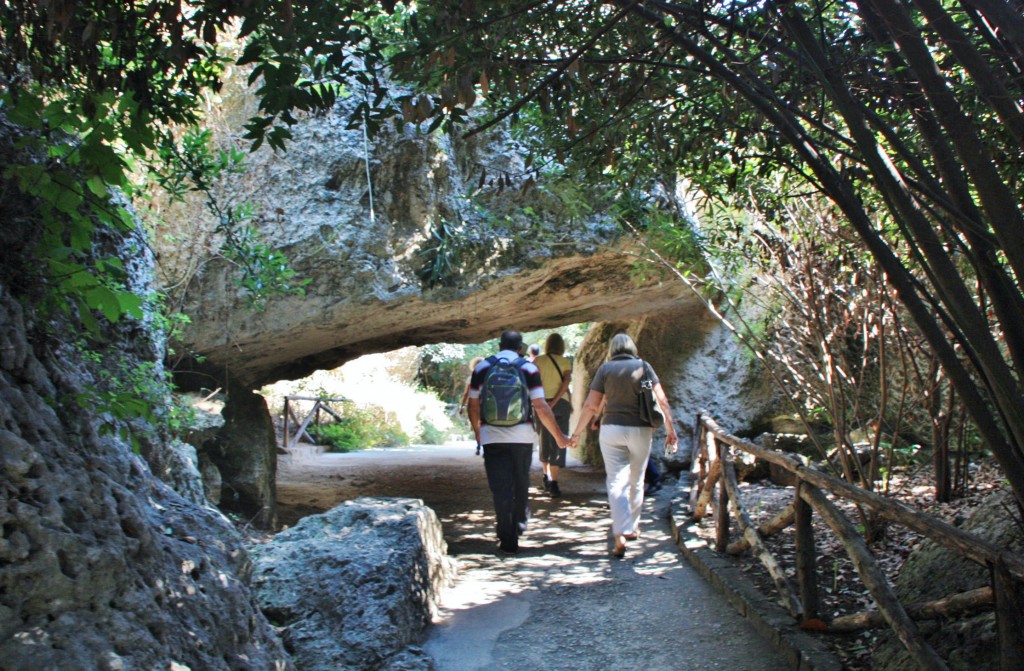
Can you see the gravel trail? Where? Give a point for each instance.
(561, 604)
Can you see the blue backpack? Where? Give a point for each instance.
(504, 396)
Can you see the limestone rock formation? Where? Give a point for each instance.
(103, 566)
(363, 220)
(522, 256)
(353, 588)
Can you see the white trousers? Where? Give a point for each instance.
(625, 450)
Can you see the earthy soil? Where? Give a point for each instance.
(562, 603)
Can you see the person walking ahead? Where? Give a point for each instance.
(508, 450)
(555, 372)
(624, 437)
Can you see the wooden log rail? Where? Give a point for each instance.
(289, 439)
(714, 481)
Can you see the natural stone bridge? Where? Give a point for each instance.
(359, 221)
(362, 239)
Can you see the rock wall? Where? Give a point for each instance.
(103, 566)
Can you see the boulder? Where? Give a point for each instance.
(933, 572)
(354, 588)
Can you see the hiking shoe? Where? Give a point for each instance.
(554, 490)
(547, 482)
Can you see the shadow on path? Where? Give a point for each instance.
(562, 603)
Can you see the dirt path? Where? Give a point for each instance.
(561, 604)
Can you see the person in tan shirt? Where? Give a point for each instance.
(556, 373)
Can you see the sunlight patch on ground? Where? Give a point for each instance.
(471, 592)
(658, 563)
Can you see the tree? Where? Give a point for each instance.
(907, 116)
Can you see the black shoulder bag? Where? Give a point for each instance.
(650, 412)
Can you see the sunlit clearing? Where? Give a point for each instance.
(386, 381)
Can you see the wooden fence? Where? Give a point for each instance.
(715, 481)
(291, 403)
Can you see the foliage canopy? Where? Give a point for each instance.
(906, 115)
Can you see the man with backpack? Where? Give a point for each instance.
(505, 393)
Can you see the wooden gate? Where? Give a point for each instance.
(291, 403)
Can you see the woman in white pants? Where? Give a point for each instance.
(625, 438)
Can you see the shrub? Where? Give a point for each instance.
(360, 428)
(431, 435)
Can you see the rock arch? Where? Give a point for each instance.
(528, 262)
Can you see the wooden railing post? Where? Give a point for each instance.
(710, 470)
(722, 506)
(697, 461)
(806, 556)
(284, 442)
(746, 527)
(1009, 594)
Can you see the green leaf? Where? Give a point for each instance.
(106, 301)
(88, 321)
(28, 111)
(97, 186)
(130, 304)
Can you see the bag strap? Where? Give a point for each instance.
(568, 392)
(646, 376)
(555, 364)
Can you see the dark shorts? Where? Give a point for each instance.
(550, 453)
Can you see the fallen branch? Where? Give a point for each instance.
(958, 605)
(782, 519)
